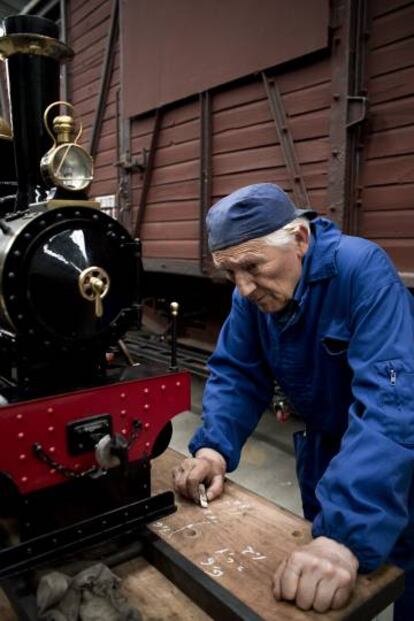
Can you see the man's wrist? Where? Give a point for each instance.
(212, 456)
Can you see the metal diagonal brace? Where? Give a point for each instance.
(105, 78)
(277, 109)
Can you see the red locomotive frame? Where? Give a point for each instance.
(152, 401)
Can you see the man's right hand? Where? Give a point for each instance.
(208, 467)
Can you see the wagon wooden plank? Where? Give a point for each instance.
(398, 113)
(241, 94)
(172, 191)
(308, 99)
(388, 224)
(315, 176)
(176, 154)
(396, 141)
(263, 134)
(396, 196)
(170, 249)
(181, 230)
(241, 116)
(379, 7)
(81, 9)
(308, 74)
(168, 136)
(268, 157)
(100, 14)
(393, 27)
(92, 37)
(173, 210)
(392, 57)
(183, 171)
(391, 86)
(400, 251)
(398, 169)
(106, 186)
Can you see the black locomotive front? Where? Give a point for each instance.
(68, 272)
(76, 435)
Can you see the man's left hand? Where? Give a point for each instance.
(320, 575)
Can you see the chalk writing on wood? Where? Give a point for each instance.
(216, 564)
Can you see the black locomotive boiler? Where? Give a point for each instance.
(76, 434)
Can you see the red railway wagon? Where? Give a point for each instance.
(183, 102)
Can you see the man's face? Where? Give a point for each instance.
(266, 275)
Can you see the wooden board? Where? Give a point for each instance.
(241, 538)
(238, 541)
(154, 596)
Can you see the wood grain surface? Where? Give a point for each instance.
(241, 538)
(238, 541)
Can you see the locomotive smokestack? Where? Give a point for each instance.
(33, 54)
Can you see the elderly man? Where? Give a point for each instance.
(327, 316)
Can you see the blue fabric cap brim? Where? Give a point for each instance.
(250, 212)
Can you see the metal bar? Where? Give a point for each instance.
(348, 75)
(355, 126)
(105, 78)
(148, 174)
(31, 553)
(64, 38)
(118, 151)
(31, 7)
(43, 12)
(287, 145)
(124, 184)
(205, 174)
(210, 596)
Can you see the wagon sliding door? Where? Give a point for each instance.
(216, 98)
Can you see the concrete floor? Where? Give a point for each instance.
(267, 466)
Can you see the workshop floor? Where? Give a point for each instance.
(267, 466)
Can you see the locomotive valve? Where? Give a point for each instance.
(94, 285)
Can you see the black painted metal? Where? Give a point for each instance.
(205, 175)
(210, 596)
(32, 553)
(148, 173)
(297, 182)
(189, 358)
(106, 77)
(34, 84)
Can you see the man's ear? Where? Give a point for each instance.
(302, 239)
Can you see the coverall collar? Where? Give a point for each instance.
(320, 260)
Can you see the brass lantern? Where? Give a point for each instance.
(66, 165)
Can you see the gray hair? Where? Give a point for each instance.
(286, 234)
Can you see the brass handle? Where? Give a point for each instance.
(94, 284)
(98, 287)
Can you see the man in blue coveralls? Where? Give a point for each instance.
(327, 316)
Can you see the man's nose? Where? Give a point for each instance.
(244, 283)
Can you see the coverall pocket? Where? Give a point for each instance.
(396, 400)
(334, 346)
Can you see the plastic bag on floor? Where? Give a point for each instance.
(92, 595)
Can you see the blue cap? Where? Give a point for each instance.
(250, 212)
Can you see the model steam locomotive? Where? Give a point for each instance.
(76, 435)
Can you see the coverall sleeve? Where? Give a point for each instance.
(364, 491)
(239, 387)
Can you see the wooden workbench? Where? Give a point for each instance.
(238, 542)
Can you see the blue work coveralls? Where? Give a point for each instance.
(345, 359)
